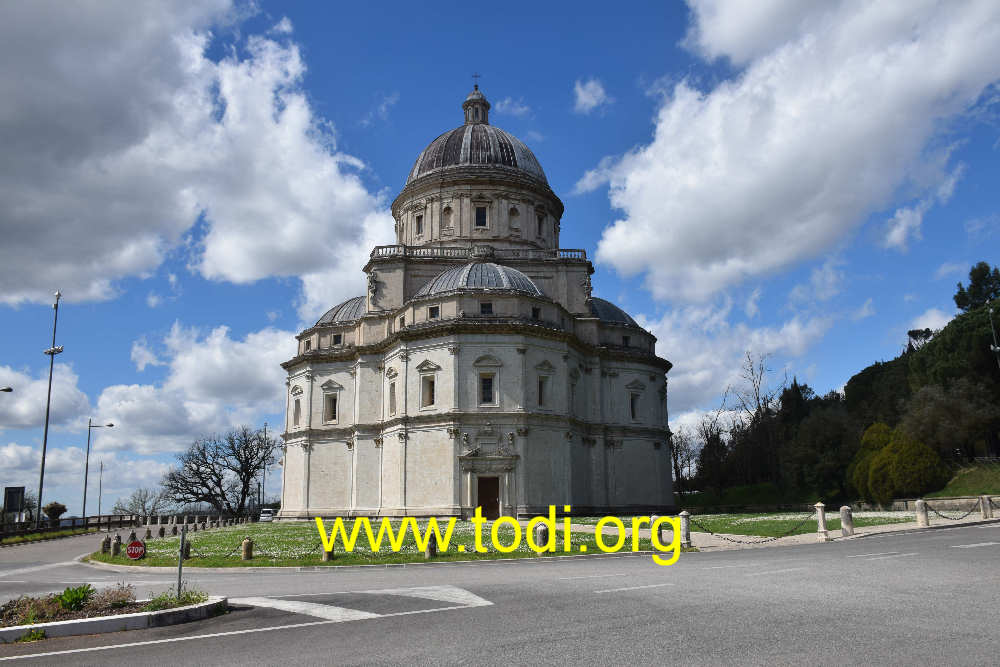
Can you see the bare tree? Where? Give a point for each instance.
(221, 470)
(683, 455)
(143, 501)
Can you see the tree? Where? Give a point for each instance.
(874, 439)
(918, 338)
(915, 468)
(984, 286)
(54, 510)
(712, 456)
(143, 501)
(221, 470)
(682, 457)
(952, 421)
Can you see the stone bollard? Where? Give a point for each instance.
(106, 544)
(148, 536)
(984, 507)
(187, 550)
(432, 549)
(821, 532)
(327, 555)
(116, 546)
(922, 519)
(846, 521)
(194, 527)
(247, 549)
(131, 538)
(541, 534)
(685, 529)
(162, 532)
(173, 529)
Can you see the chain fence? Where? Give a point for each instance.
(955, 518)
(764, 540)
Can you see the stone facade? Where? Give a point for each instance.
(477, 369)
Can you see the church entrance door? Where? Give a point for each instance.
(488, 494)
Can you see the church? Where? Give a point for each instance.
(477, 369)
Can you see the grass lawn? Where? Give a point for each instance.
(974, 480)
(34, 537)
(774, 524)
(298, 544)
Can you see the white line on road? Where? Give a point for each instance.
(36, 568)
(593, 576)
(725, 567)
(327, 611)
(894, 556)
(632, 588)
(973, 546)
(760, 574)
(884, 553)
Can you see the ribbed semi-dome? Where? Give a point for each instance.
(479, 276)
(476, 143)
(609, 312)
(351, 309)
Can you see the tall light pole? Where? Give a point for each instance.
(86, 465)
(263, 474)
(52, 352)
(994, 348)
(7, 389)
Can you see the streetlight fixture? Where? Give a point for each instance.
(7, 389)
(86, 466)
(52, 352)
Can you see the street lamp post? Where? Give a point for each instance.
(86, 464)
(52, 352)
(100, 489)
(263, 474)
(994, 348)
(7, 389)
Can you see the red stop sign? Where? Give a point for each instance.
(135, 549)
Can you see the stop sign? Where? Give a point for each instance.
(135, 549)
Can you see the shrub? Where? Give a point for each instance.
(54, 510)
(874, 440)
(114, 598)
(74, 598)
(32, 636)
(876, 437)
(168, 600)
(880, 484)
(915, 468)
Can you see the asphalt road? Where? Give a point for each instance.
(930, 597)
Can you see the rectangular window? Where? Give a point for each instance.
(427, 391)
(308, 345)
(541, 224)
(338, 339)
(480, 216)
(536, 313)
(420, 225)
(297, 412)
(542, 394)
(633, 405)
(486, 308)
(626, 340)
(330, 408)
(392, 398)
(486, 395)
(402, 322)
(433, 312)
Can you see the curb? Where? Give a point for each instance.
(137, 621)
(47, 539)
(334, 568)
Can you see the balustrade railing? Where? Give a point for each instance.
(462, 252)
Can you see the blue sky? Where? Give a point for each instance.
(805, 180)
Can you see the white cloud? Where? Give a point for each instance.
(824, 283)
(213, 382)
(161, 133)
(950, 269)
(707, 349)
(25, 406)
(589, 95)
(932, 318)
(153, 299)
(752, 307)
(511, 107)
(381, 110)
(534, 137)
(283, 27)
(142, 356)
(782, 161)
(867, 309)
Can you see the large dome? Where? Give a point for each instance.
(477, 143)
(479, 276)
(609, 312)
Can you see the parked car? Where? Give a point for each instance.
(266, 514)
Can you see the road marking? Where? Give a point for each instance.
(894, 556)
(593, 576)
(632, 588)
(36, 568)
(452, 594)
(241, 632)
(884, 553)
(760, 574)
(724, 567)
(973, 546)
(329, 612)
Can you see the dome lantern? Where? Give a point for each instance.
(476, 107)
